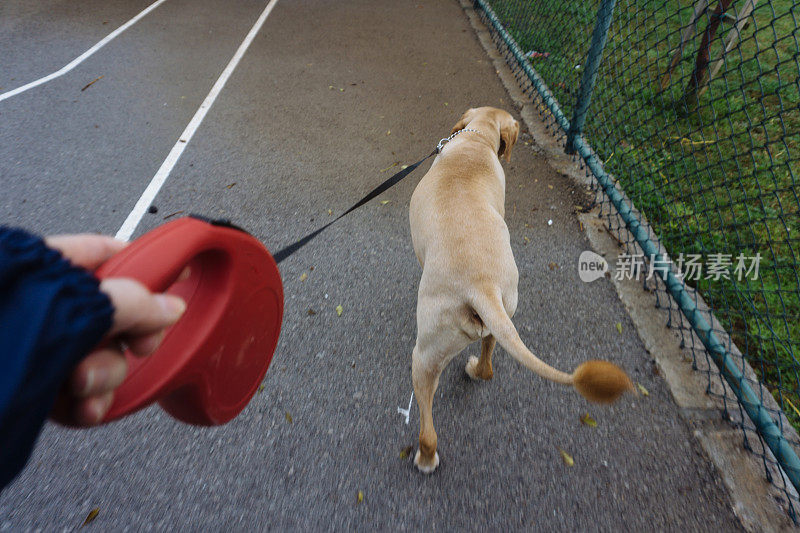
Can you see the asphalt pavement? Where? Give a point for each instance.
(330, 99)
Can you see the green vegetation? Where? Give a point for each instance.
(713, 175)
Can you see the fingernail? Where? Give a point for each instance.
(172, 306)
(87, 386)
(101, 407)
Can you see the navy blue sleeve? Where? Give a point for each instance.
(51, 315)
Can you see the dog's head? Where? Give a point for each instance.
(507, 127)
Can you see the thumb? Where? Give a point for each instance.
(137, 311)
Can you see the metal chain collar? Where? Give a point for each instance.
(448, 139)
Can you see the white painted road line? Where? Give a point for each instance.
(406, 412)
(149, 194)
(81, 58)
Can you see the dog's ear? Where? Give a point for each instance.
(509, 130)
(463, 121)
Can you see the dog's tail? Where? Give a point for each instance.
(597, 381)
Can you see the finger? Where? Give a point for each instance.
(137, 311)
(87, 251)
(99, 372)
(90, 411)
(144, 345)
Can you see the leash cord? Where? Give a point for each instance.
(283, 253)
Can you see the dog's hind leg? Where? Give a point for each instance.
(482, 368)
(425, 374)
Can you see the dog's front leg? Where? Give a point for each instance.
(425, 372)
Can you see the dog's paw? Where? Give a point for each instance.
(472, 367)
(474, 373)
(426, 468)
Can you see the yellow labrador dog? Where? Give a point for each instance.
(468, 289)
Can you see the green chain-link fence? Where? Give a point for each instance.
(693, 135)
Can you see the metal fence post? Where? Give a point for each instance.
(592, 64)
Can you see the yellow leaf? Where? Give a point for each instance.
(330, 212)
(619, 327)
(644, 391)
(389, 132)
(405, 452)
(587, 420)
(289, 418)
(404, 167)
(568, 460)
(360, 496)
(339, 310)
(261, 387)
(92, 515)
(303, 276)
(384, 202)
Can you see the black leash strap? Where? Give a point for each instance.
(283, 253)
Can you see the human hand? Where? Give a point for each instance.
(140, 319)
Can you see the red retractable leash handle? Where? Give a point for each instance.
(211, 362)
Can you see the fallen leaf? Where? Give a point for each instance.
(389, 132)
(384, 202)
(289, 418)
(303, 276)
(311, 312)
(339, 310)
(91, 82)
(391, 166)
(404, 167)
(405, 452)
(587, 420)
(446, 104)
(360, 497)
(341, 90)
(91, 516)
(549, 186)
(231, 185)
(644, 391)
(567, 458)
(553, 266)
(330, 86)
(330, 212)
(619, 327)
(261, 388)
(173, 214)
